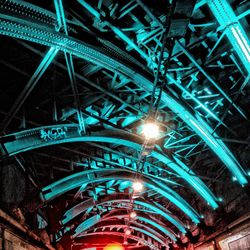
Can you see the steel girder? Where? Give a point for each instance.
(52, 135)
(23, 29)
(149, 232)
(46, 61)
(71, 213)
(153, 222)
(235, 33)
(84, 178)
(94, 220)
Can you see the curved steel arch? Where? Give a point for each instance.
(25, 29)
(83, 227)
(154, 235)
(39, 137)
(82, 179)
(136, 238)
(83, 206)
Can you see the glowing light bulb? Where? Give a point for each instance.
(127, 232)
(137, 186)
(150, 130)
(133, 214)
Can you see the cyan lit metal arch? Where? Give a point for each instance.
(154, 235)
(85, 205)
(52, 135)
(92, 221)
(136, 238)
(23, 28)
(84, 178)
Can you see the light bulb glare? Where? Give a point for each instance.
(137, 186)
(133, 214)
(150, 130)
(127, 231)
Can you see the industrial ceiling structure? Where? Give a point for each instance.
(79, 81)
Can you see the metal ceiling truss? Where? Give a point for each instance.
(191, 98)
(81, 180)
(52, 135)
(147, 223)
(59, 41)
(85, 205)
(94, 220)
(149, 232)
(143, 220)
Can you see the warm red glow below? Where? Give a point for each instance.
(114, 246)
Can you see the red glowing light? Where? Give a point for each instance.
(114, 246)
(127, 231)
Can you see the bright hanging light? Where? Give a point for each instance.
(137, 186)
(133, 214)
(150, 130)
(127, 231)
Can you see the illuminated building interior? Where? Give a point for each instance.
(125, 124)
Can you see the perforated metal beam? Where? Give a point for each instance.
(82, 179)
(85, 205)
(52, 135)
(47, 37)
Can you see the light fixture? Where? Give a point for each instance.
(127, 231)
(135, 196)
(150, 130)
(133, 214)
(137, 186)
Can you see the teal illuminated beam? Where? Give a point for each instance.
(60, 16)
(117, 31)
(70, 65)
(150, 221)
(40, 137)
(207, 135)
(234, 30)
(85, 205)
(192, 59)
(82, 179)
(27, 30)
(46, 61)
(71, 71)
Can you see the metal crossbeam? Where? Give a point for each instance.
(46, 61)
(70, 66)
(233, 29)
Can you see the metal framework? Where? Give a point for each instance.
(199, 86)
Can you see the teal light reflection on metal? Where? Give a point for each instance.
(94, 176)
(148, 221)
(60, 15)
(226, 155)
(115, 30)
(156, 225)
(163, 214)
(230, 162)
(89, 204)
(112, 136)
(26, 30)
(196, 183)
(234, 30)
(87, 224)
(46, 61)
